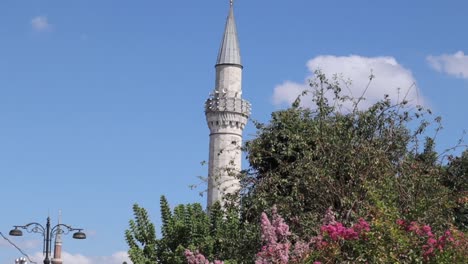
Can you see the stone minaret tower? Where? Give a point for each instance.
(57, 259)
(226, 114)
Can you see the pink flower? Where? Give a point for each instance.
(448, 233)
(401, 222)
(337, 231)
(268, 232)
(329, 217)
(413, 226)
(318, 242)
(428, 251)
(275, 236)
(281, 229)
(426, 228)
(301, 249)
(323, 244)
(198, 258)
(361, 226)
(350, 234)
(431, 241)
(274, 253)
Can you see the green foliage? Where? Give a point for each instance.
(141, 238)
(185, 227)
(456, 180)
(218, 234)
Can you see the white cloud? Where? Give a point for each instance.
(287, 92)
(389, 78)
(40, 24)
(21, 243)
(27, 244)
(452, 64)
(116, 258)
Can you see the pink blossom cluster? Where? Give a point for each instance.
(432, 242)
(337, 230)
(329, 217)
(275, 237)
(300, 251)
(278, 249)
(318, 242)
(198, 258)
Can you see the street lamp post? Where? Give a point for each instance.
(48, 233)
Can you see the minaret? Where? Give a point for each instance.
(57, 259)
(226, 114)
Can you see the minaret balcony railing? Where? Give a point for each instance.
(228, 104)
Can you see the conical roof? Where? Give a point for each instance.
(229, 52)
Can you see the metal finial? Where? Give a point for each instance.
(231, 2)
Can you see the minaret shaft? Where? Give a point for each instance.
(226, 114)
(229, 80)
(57, 259)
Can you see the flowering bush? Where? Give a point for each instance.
(336, 242)
(397, 242)
(449, 246)
(277, 249)
(275, 237)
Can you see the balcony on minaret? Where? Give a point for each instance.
(228, 104)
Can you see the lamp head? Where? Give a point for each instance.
(16, 232)
(79, 235)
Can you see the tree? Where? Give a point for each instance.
(218, 234)
(337, 155)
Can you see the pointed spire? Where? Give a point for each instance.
(229, 52)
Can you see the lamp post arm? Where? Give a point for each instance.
(33, 228)
(67, 227)
(63, 229)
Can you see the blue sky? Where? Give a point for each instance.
(101, 102)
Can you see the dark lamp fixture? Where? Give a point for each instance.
(16, 232)
(79, 235)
